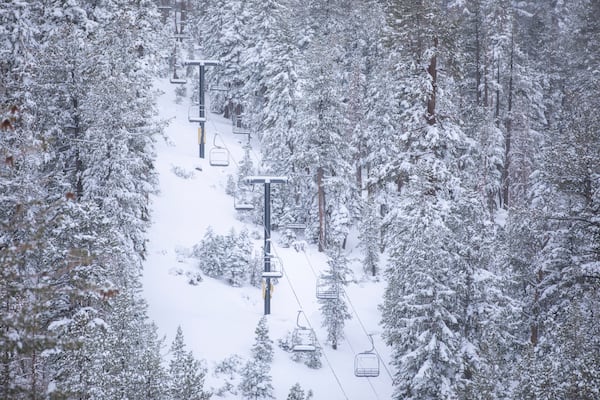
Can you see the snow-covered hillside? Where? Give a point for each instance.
(218, 320)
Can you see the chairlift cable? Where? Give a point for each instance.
(357, 317)
(366, 333)
(274, 250)
(355, 313)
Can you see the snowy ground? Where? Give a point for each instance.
(219, 321)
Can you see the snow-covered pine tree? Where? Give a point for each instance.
(210, 252)
(237, 257)
(256, 378)
(436, 222)
(151, 363)
(324, 147)
(186, 374)
(226, 40)
(370, 238)
(334, 309)
(297, 393)
(262, 350)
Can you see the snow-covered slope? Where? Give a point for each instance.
(218, 320)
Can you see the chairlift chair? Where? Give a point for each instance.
(197, 113)
(296, 226)
(217, 88)
(242, 201)
(276, 270)
(299, 218)
(242, 205)
(240, 126)
(326, 289)
(303, 339)
(180, 36)
(176, 79)
(218, 156)
(366, 364)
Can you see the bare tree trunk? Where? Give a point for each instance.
(497, 115)
(321, 197)
(477, 59)
(534, 338)
(508, 136)
(432, 70)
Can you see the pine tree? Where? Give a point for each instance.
(297, 393)
(325, 151)
(226, 40)
(256, 380)
(186, 375)
(370, 239)
(237, 257)
(436, 221)
(334, 308)
(210, 252)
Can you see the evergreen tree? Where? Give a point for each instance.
(256, 378)
(322, 121)
(335, 309)
(297, 393)
(237, 258)
(186, 375)
(210, 252)
(435, 221)
(370, 239)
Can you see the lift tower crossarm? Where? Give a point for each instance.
(265, 179)
(202, 62)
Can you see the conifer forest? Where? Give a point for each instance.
(459, 138)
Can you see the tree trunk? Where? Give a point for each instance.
(477, 59)
(508, 136)
(321, 197)
(432, 70)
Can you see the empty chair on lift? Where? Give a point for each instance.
(327, 289)
(366, 364)
(240, 125)
(218, 88)
(242, 199)
(275, 270)
(296, 226)
(242, 203)
(218, 156)
(196, 113)
(303, 338)
(297, 219)
(176, 79)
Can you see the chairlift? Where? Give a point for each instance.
(197, 113)
(242, 200)
(240, 126)
(296, 226)
(299, 216)
(176, 79)
(217, 88)
(304, 339)
(326, 289)
(242, 205)
(276, 269)
(180, 36)
(218, 156)
(366, 364)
